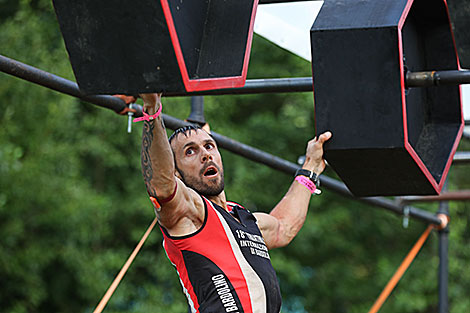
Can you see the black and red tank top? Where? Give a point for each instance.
(225, 265)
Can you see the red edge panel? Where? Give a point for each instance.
(407, 146)
(452, 153)
(208, 83)
(174, 40)
(462, 121)
(437, 186)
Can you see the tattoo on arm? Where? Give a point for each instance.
(146, 161)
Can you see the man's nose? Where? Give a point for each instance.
(206, 156)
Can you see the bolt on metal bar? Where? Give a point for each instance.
(63, 85)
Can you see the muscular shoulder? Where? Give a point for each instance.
(184, 214)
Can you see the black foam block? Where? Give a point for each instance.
(387, 139)
(131, 47)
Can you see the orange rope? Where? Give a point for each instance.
(123, 271)
(400, 271)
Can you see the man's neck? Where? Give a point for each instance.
(219, 200)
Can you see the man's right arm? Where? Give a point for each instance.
(158, 169)
(157, 161)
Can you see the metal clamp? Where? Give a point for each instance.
(130, 114)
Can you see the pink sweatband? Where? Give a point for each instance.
(147, 117)
(308, 184)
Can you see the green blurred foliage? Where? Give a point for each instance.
(73, 204)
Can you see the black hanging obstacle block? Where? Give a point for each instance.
(387, 139)
(132, 47)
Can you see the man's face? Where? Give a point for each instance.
(198, 162)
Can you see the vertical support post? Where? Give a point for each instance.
(443, 260)
(197, 110)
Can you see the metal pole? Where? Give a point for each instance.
(462, 157)
(437, 78)
(252, 86)
(255, 86)
(60, 84)
(305, 84)
(56, 83)
(197, 110)
(459, 195)
(443, 260)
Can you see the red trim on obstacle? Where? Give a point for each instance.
(423, 167)
(248, 41)
(454, 148)
(462, 120)
(437, 186)
(208, 83)
(407, 145)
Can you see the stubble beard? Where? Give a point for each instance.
(208, 190)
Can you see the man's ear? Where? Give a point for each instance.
(207, 128)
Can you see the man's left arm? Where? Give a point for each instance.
(286, 219)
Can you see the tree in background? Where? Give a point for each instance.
(73, 203)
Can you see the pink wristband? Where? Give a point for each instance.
(147, 117)
(308, 184)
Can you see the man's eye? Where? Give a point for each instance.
(189, 151)
(209, 146)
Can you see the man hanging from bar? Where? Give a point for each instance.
(219, 248)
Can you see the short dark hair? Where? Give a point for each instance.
(184, 130)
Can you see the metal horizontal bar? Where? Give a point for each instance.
(462, 157)
(305, 84)
(56, 83)
(461, 195)
(437, 78)
(254, 86)
(63, 85)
